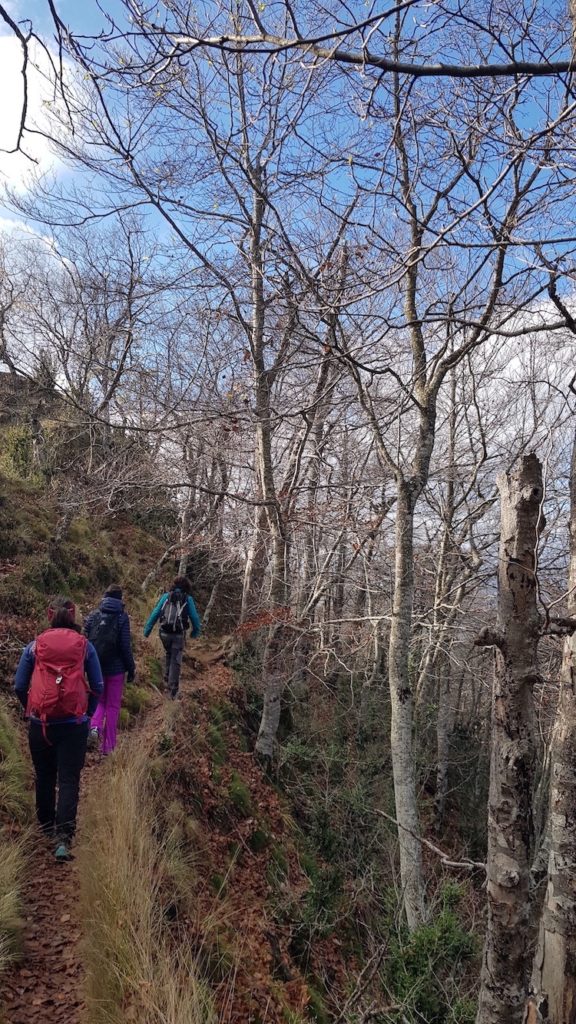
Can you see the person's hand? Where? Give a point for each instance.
(130, 678)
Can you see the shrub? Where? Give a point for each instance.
(17, 599)
(317, 912)
(136, 699)
(424, 970)
(17, 452)
(45, 576)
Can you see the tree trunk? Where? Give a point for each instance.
(254, 570)
(444, 726)
(554, 976)
(185, 533)
(509, 936)
(274, 672)
(402, 714)
(274, 669)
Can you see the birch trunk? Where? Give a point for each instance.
(254, 570)
(509, 936)
(554, 976)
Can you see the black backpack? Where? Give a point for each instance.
(174, 614)
(103, 633)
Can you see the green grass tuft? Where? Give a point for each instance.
(239, 796)
(216, 744)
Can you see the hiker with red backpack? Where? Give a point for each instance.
(58, 682)
(108, 629)
(176, 611)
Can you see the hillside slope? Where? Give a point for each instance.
(203, 891)
(234, 880)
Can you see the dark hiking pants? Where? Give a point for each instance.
(58, 759)
(174, 646)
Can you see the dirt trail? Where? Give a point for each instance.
(46, 985)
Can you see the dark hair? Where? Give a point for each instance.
(61, 614)
(114, 591)
(181, 583)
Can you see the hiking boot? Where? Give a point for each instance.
(175, 695)
(93, 740)
(62, 852)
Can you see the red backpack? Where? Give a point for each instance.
(58, 688)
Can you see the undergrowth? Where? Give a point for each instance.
(425, 971)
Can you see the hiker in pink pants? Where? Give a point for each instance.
(105, 718)
(108, 629)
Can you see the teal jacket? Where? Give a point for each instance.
(191, 607)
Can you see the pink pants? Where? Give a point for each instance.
(105, 718)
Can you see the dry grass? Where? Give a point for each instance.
(12, 871)
(15, 786)
(15, 810)
(138, 966)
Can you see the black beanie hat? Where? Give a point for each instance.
(114, 592)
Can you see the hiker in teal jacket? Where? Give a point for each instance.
(176, 611)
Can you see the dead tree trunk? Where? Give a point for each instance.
(509, 936)
(554, 976)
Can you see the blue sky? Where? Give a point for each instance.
(82, 16)
(85, 16)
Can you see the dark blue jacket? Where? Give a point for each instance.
(124, 660)
(155, 615)
(91, 668)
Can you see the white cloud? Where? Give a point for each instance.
(16, 227)
(14, 8)
(16, 169)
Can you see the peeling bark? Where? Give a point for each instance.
(554, 975)
(509, 938)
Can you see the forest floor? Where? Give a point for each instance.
(262, 983)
